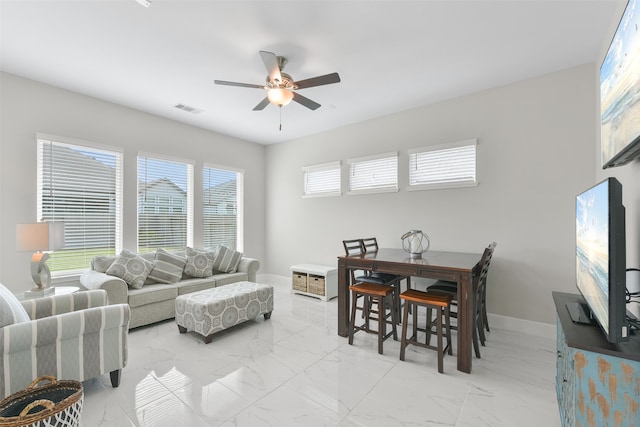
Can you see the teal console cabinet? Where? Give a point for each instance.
(597, 383)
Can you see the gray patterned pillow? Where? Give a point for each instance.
(167, 267)
(131, 268)
(199, 263)
(102, 263)
(11, 311)
(226, 260)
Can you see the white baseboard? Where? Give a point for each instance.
(497, 321)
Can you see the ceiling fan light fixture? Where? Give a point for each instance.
(280, 96)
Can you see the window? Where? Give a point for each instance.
(321, 180)
(374, 174)
(221, 207)
(443, 166)
(163, 185)
(80, 185)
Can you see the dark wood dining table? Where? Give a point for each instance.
(459, 267)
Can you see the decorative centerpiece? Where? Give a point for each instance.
(415, 242)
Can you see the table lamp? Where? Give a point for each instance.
(40, 237)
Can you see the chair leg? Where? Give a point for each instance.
(382, 322)
(429, 325)
(447, 319)
(440, 344)
(395, 318)
(352, 320)
(476, 346)
(116, 376)
(405, 319)
(481, 329)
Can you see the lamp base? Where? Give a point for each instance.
(40, 292)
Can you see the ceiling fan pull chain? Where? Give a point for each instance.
(280, 108)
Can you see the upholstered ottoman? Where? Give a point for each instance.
(212, 310)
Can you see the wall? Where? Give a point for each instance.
(535, 154)
(28, 107)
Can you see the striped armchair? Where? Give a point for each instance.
(71, 337)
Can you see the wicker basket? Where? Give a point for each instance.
(57, 404)
(316, 284)
(300, 281)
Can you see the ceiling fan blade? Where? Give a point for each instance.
(222, 82)
(271, 63)
(327, 79)
(312, 105)
(261, 105)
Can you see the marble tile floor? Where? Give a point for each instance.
(294, 370)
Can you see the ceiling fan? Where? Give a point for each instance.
(280, 86)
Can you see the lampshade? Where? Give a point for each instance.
(40, 236)
(279, 96)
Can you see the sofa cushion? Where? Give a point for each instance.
(167, 267)
(130, 267)
(226, 260)
(102, 263)
(228, 278)
(151, 294)
(199, 263)
(11, 311)
(194, 284)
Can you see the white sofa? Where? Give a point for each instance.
(155, 302)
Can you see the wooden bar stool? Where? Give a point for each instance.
(373, 293)
(442, 305)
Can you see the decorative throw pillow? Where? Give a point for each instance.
(226, 260)
(199, 263)
(131, 268)
(167, 267)
(11, 311)
(102, 263)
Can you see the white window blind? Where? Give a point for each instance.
(441, 166)
(221, 207)
(374, 174)
(82, 187)
(165, 204)
(322, 180)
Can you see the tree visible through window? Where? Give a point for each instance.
(80, 186)
(221, 208)
(165, 200)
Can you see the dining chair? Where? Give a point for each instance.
(371, 245)
(441, 303)
(480, 319)
(383, 297)
(356, 247)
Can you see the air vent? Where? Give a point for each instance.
(188, 109)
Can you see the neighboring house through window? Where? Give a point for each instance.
(165, 204)
(222, 208)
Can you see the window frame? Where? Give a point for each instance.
(118, 201)
(239, 202)
(308, 171)
(190, 165)
(472, 142)
(365, 162)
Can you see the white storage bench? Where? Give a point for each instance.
(212, 310)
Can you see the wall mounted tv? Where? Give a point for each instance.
(601, 259)
(620, 92)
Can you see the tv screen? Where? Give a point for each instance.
(601, 256)
(620, 92)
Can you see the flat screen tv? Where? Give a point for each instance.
(620, 92)
(601, 259)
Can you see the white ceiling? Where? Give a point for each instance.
(391, 55)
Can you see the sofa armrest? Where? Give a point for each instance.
(117, 292)
(59, 304)
(249, 266)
